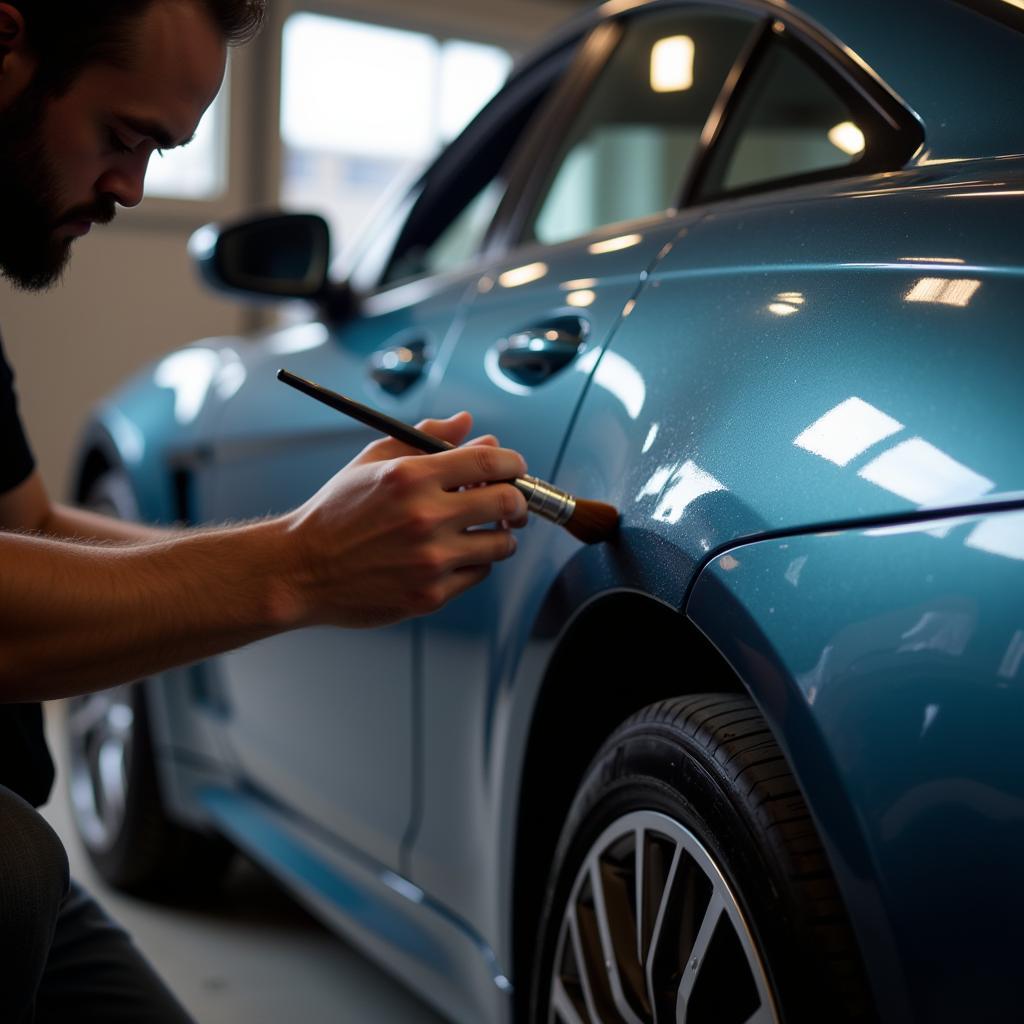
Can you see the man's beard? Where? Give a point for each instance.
(31, 255)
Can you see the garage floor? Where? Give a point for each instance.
(254, 957)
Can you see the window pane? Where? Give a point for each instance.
(630, 148)
(790, 122)
(199, 170)
(363, 105)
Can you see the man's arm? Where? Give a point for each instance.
(28, 508)
(387, 538)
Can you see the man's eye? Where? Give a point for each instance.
(118, 144)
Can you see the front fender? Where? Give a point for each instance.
(160, 419)
(888, 662)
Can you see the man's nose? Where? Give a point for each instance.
(125, 183)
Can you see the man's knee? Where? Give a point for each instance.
(33, 868)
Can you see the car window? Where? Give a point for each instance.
(789, 122)
(628, 151)
(462, 193)
(455, 243)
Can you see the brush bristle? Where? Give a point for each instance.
(593, 521)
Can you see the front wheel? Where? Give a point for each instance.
(690, 884)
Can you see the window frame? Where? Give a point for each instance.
(895, 139)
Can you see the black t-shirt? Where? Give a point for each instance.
(25, 764)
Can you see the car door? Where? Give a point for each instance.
(322, 719)
(597, 208)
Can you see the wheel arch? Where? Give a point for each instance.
(559, 736)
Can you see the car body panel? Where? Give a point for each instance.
(888, 662)
(602, 275)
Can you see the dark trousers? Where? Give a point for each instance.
(61, 958)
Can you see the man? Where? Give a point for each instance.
(88, 91)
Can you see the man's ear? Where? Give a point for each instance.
(17, 61)
(12, 29)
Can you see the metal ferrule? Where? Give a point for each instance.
(546, 501)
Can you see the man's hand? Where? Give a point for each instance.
(396, 533)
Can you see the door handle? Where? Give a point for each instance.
(534, 355)
(396, 369)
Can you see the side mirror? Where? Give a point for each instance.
(282, 256)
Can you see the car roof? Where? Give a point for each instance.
(957, 70)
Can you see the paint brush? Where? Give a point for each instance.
(588, 521)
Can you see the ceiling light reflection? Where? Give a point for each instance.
(688, 483)
(622, 379)
(581, 299)
(921, 473)
(1010, 665)
(847, 137)
(583, 282)
(846, 431)
(955, 292)
(930, 259)
(518, 276)
(615, 244)
(1000, 535)
(672, 64)
(189, 375)
(782, 308)
(651, 436)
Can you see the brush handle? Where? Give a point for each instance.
(542, 498)
(364, 414)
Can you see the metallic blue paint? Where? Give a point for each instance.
(806, 404)
(888, 661)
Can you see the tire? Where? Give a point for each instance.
(739, 919)
(114, 787)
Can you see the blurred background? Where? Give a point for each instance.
(337, 102)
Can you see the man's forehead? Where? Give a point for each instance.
(175, 68)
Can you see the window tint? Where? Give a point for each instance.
(629, 149)
(789, 122)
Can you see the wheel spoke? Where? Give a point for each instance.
(659, 921)
(638, 894)
(581, 964)
(608, 945)
(700, 947)
(563, 1005)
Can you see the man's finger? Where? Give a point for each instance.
(454, 430)
(489, 504)
(474, 464)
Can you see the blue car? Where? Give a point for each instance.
(751, 273)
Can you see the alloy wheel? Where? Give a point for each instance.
(652, 933)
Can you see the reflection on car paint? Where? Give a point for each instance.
(615, 244)
(946, 292)
(847, 430)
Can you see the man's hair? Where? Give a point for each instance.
(68, 37)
